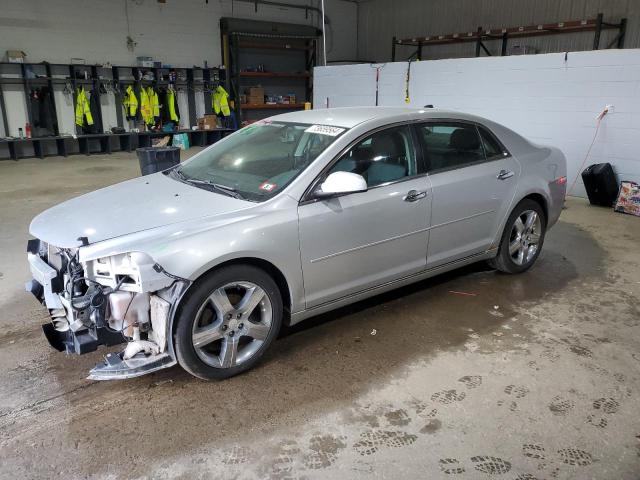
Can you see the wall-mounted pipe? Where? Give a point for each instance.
(324, 37)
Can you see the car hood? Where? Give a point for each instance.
(129, 207)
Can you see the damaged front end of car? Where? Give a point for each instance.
(126, 297)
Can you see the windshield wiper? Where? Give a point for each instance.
(178, 173)
(230, 191)
(224, 189)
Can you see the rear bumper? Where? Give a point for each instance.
(558, 193)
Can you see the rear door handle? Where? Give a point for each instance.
(504, 174)
(414, 195)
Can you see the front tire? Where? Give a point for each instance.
(522, 238)
(228, 322)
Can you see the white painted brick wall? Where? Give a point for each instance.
(542, 97)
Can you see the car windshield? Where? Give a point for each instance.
(259, 160)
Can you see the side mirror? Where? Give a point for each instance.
(340, 183)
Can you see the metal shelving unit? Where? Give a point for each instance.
(596, 25)
(244, 41)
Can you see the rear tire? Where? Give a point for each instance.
(228, 322)
(522, 238)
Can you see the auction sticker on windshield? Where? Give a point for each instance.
(269, 187)
(325, 130)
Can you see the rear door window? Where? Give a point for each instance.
(450, 145)
(493, 149)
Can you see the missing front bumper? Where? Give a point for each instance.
(81, 342)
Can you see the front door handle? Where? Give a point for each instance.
(414, 195)
(504, 174)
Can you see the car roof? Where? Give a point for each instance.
(351, 116)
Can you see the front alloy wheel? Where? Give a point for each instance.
(228, 322)
(232, 324)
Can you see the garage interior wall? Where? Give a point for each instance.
(181, 33)
(545, 98)
(380, 20)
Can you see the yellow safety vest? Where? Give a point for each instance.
(145, 105)
(219, 101)
(130, 103)
(149, 105)
(155, 104)
(82, 108)
(171, 104)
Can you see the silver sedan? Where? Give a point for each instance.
(202, 264)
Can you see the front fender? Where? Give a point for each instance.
(267, 232)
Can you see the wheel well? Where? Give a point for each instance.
(272, 270)
(540, 200)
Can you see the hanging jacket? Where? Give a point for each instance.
(44, 121)
(94, 107)
(145, 106)
(130, 103)
(149, 106)
(83, 110)
(220, 102)
(169, 110)
(155, 104)
(171, 105)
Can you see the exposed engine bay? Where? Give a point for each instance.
(124, 298)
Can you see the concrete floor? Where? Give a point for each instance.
(531, 376)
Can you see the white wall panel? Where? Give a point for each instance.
(542, 97)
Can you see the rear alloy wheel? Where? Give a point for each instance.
(522, 238)
(228, 322)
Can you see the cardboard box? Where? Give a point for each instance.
(251, 100)
(208, 122)
(16, 56)
(255, 91)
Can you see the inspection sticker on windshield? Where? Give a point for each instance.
(269, 187)
(325, 130)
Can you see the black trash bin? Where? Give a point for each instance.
(157, 159)
(601, 184)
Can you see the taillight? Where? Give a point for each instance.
(561, 181)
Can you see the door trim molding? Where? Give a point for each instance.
(372, 244)
(462, 219)
(383, 287)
